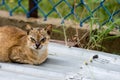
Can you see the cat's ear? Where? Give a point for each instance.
(49, 29)
(28, 28)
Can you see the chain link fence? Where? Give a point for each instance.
(79, 10)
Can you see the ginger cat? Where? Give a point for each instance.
(28, 47)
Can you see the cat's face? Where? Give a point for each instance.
(38, 38)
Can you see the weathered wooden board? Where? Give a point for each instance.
(66, 63)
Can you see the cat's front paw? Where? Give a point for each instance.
(36, 63)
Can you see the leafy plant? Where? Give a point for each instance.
(100, 34)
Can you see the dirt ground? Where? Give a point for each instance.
(20, 21)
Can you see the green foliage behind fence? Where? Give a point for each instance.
(102, 11)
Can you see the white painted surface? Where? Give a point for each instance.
(66, 63)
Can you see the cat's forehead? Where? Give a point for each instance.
(38, 32)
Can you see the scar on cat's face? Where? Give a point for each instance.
(37, 38)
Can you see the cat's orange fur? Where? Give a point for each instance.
(19, 46)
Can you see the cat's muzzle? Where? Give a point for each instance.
(38, 45)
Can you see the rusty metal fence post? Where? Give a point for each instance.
(31, 6)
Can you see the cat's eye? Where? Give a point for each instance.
(43, 40)
(32, 39)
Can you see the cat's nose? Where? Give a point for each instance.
(37, 45)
